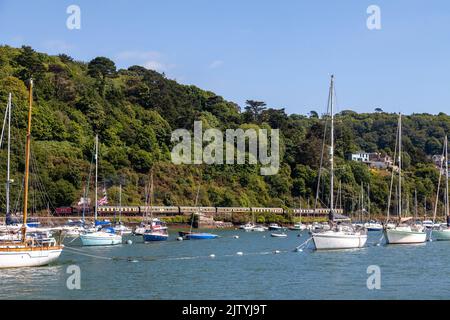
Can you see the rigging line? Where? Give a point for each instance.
(76, 251)
(392, 178)
(36, 185)
(86, 192)
(4, 122)
(19, 197)
(39, 185)
(39, 179)
(322, 156)
(439, 185)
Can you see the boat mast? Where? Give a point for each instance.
(332, 150)
(363, 209)
(96, 176)
(447, 205)
(120, 202)
(368, 200)
(425, 207)
(8, 179)
(400, 167)
(151, 198)
(415, 204)
(27, 164)
(196, 203)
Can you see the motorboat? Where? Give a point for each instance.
(275, 226)
(373, 226)
(157, 231)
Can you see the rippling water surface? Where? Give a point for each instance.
(185, 270)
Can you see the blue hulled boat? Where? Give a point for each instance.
(197, 235)
(156, 232)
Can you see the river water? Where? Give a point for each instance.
(185, 270)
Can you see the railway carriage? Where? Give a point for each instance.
(160, 210)
(270, 210)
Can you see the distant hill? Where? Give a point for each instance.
(134, 112)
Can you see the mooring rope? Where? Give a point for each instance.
(380, 240)
(303, 245)
(77, 251)
(136, 259)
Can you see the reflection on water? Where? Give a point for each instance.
(27, 283)
(267, 269)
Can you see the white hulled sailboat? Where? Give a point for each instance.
(443, 233)
(28, 250)
(403, 232)
(339, 236)
(100, 237)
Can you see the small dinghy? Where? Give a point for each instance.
(278, 235)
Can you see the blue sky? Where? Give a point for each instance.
(281, 52)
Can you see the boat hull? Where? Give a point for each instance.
(278, 235)
(258, 229)
(404, 237)
(100, 240)
(335, 240)
(155, 237)
(10, 258)
(200, 236)
(139, 231)
(441, 235)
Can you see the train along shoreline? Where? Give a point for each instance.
(180, 216)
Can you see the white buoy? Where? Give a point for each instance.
(276, 251)
(129, 242)
(180, 238)
(212, 255)
(239, 253)
(236, 237)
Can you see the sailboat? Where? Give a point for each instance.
(119, 227)
(249, 225)
(101, 237)
(339, 236)
(298, 226)
(443, 233)
(196, 235)
(403, 232)
(157, 229)
(29, 250)
(371, 225)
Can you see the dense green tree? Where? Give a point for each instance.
(135, 111)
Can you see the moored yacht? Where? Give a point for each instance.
(157, 231)
(443, 231)
(275, 226)
(373, 226)
(404, 232)
(338, 236)
(103, 236)
(28, 250)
